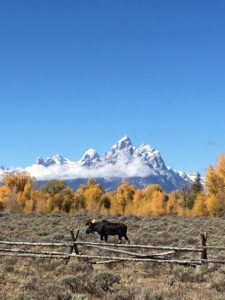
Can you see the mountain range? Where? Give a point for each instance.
(140, 166)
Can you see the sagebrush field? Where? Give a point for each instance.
(35, 278)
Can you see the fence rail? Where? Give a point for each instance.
(115, 250)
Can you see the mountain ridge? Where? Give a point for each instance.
(141, 166)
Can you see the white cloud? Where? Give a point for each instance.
(73, 171)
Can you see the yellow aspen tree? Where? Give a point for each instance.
(79, 204)
(155, 206)
(13, 205)
(214, 182)
(28, 206)
(115, 203)
(137, 200)
(215, 186)
(213, 204)
(124, 195)
(17, 180)
(200, 206)
(221, 166)
(19, 183)
(68, 199)
(4, 193)
(150, 189)
(158, 205)
(175, 204)
(93, 196)
(145, 209)
(39, 201)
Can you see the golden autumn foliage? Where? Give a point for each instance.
(214, 182)
(213, 204)
(215, 185)
(91, 195)
(200, 207)
(58, 196)
(18, 186)
(39, 202)
(4, 193)
(123, 196)
(175, 204)
(221, 166)
(155, 205)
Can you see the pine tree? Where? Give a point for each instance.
(197, 186)
(195, 189)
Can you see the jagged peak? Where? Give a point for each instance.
(39, 160)
(89, 157)
(48, 161)
(57, 156)
(146, 148)
(91, 152)
(123, 143)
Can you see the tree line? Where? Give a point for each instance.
(19, 194)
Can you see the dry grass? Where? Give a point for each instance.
(26, 278)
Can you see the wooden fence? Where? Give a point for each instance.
(161, 254)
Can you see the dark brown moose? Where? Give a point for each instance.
(105, 228)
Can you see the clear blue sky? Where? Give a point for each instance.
(80, 74)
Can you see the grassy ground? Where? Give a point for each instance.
(35, 278)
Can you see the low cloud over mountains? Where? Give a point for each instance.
(122, 161)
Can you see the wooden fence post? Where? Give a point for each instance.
(203, 244)
(74, 240)
(74, 246)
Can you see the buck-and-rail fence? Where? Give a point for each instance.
(115, 250)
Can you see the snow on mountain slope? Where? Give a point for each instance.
(2, 171)
(54, 160)
(141, 166)
(89, 159)
(123, 149)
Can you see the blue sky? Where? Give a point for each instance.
(81, 74)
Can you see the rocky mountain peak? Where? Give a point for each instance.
(90, 158)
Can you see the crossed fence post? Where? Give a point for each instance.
(74, 246)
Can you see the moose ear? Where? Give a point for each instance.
(93, 221)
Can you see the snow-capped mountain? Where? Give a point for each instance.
(140, 166)
(89, 159)
(151, 158)
(54, 160)
(190, 177)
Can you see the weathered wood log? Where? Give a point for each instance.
(111, 258)
(181, 249)
(158, 255)
(116, 250)
(25, 255)
(32, 252)
(105, 262)
(214, 248)
(137, 255)
(42, 244)
(70, 244)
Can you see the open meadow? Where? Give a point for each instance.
(39, 278)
